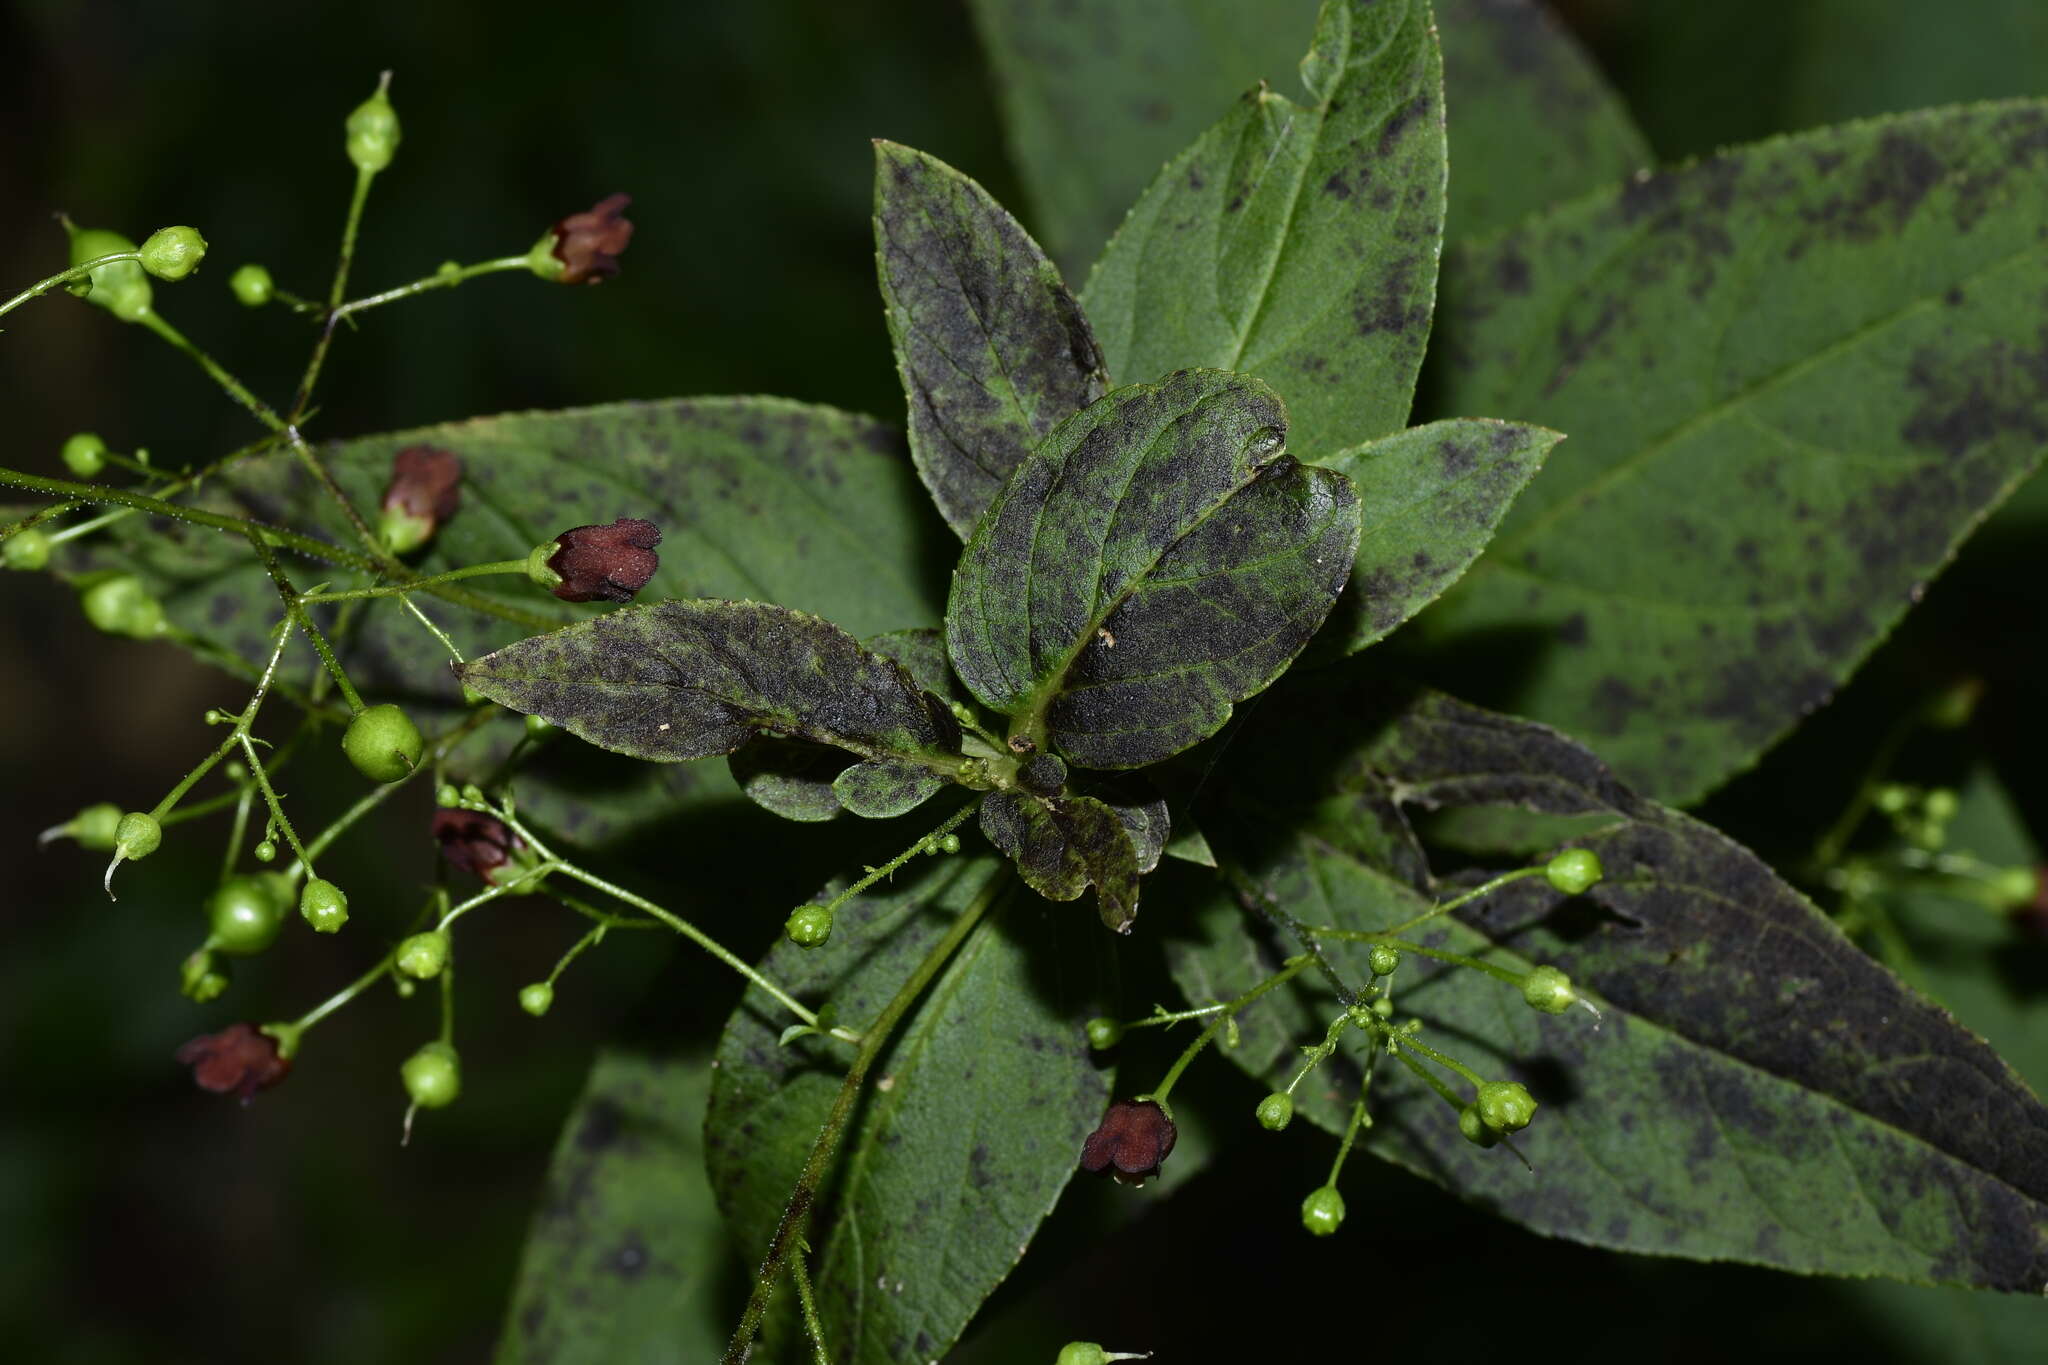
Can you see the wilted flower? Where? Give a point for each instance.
(610, 562)
(475, 842)
(1135, 1136)
(239, 1060)
(588, 243)
(425, 490)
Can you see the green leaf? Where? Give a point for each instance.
(1795, 377)
(1096, 95)
(1429, 500)
(1295, 242)
(1532, 122)
(689, 679)
(881, 788)
(626, 1255)
(972, 1126)
(1759, 1090)
(761, 498)
(993, 349)
(1156, 560)
(1065, 845)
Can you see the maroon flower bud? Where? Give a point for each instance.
(588, 244)
(425, 490)
(1135, 1137)
(239, 1060)
(588, 562)
(475, 842)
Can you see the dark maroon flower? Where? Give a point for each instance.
(588, 243)
(612, 562)
(425, 490)
(475, 842)
(239, 1060)
(1135, 1137)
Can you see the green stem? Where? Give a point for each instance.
(41, 287)
(517, 566)
(270, 799)
(796, 1215)
(295, 611)
(436, 631)
(1287, 972)
(1449, 1063)
(437, 750)
(441, 279)
(234, 387)
(1358, 1120)
(343, 261)
(1485, 888)
(1317, 1054)
(816, 1329)
(1176, 1017)
(243, 798)
(1257, 900)
(344, 995)
(875, 874)
(1493, 969)
(1828, 851)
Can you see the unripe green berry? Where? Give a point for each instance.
(423, 955)
(200, 978)
(27, 549)
(383, 743)
(265, 850)
(96, 827)
(1574, 871)
(172, 253)
(85, 454)
(950, 844)
(120, 605)
(433, 1076)
(1275, 1111)
(244, 915)
(1505, 1106)
(2015, 885)
(1385, 959)
(1082, 1353)
(536, 999)
(1893, 798)
(252, 286)
(1323, 1211)
(809, 926)
(446, 795)
(1549, 990)
(137, 836)
(373, 131)
(323, 906)
(1104, 1033)
(1474, 1128)
(1942, 804)
(122, 288)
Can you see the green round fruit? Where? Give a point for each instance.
(432, 1076)
(809, 926)
(244, 915)
(423, 955)
(122, 288)
(1323, 1211)
(1082, 1353)
(1474, 1129)
(1549, 990)
(1104, 1033)
(1575, 871)
(1275, 1111)
(383, 743)
(252, 286)
(1505, 1106)
(85, 454)
(27, 549)
(120, 605)
(137, 835)
(323, 906)
(172, 253)
(1385, 959)
(372, 129)
(537, 998)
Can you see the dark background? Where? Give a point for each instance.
(143, 1221)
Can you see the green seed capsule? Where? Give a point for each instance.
(121, 288)
(120, 605)
(27, 549)
(265, 851)
(809, 926)
(423, 955)
(383, 743)
(1549, 990)
(137, 835)
(172, 253)
(323, 906)
(252, 286)
(1082, 1353)
(244, 915)
(950, 844)
(85, 454)
(1574, 871)
(373, 131)
(1275, 1111)
(1505, 1106)
(1104, 1033)
(2016, 886)
(432, 1076)
(1323, 1211)
(1385, 959)
(537, 998)
(1474, 1129)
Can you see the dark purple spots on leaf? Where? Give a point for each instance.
(1573, 631)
